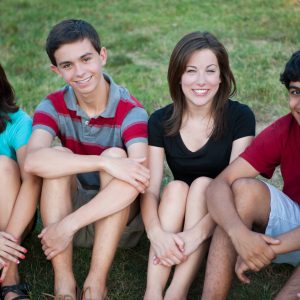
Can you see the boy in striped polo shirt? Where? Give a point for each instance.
(91, 181)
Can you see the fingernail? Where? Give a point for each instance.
(25, 251)
(18, 261)
(23, 257)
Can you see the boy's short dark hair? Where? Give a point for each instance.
(292, 70)
(69, 31)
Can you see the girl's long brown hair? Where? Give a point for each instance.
(7, 100)
(190, 43)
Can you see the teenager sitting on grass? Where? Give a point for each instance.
(97, 173)
(19, 190)
(200, 134)
(240, 203)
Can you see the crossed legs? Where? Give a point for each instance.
(181, 207)
(56, 203)
(252, 201)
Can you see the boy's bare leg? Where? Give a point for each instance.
(252, 201)
(291, 288)
(108, 232)
(55, 205)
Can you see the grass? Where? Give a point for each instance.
(260, 36)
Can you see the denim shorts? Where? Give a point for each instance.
(284, 216)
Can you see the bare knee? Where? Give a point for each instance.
(252, 199)
(198, 188)
(61, 148)
(8, 166)
(114, 152)
(175, 191)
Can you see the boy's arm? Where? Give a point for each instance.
(48, 162)
(117, 195)
(289, 241)
(251, 246)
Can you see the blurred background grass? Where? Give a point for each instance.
(260, 36)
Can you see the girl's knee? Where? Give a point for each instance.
(8, 166)
(201, 183)
(176, 187)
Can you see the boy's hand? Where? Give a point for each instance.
(55, 238)
(129, 170)
(240, 269)
(254, 248)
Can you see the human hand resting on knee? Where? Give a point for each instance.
(168, 248)
(55, 238)
(129, 170)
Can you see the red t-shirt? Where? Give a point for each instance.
(278, 144)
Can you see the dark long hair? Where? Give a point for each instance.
(182, 52)
(7, 100)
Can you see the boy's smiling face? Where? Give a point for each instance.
(294, 99)
(81, 66)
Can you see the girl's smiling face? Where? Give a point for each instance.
(201, 79)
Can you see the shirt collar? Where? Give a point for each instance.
(113, 100)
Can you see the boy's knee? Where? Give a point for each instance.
(114, 152)
(61, 148)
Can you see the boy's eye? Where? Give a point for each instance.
(66, 66)
(85, 59)
(295, 92)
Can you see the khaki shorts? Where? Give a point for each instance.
(85, 236)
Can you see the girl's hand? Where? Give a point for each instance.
(10, 249)
(168, 249)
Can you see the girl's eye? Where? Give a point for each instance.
(211, 71)
(190, 71)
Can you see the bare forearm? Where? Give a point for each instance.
(24, 207)
(203, 229)
(52, 163)
(289, 241)
(149, 209)
(113, 198)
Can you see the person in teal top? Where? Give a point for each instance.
(22, 190)
(16, 134)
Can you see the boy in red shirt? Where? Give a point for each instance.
(238, 203)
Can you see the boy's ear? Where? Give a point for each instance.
(54, 69)
(103, 56)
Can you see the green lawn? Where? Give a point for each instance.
(140, 35)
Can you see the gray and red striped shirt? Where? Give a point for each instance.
(122, 123)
